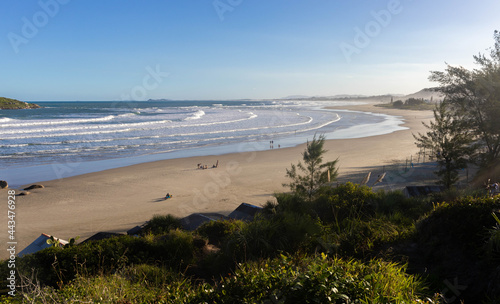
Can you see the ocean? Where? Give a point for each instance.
(64, 139)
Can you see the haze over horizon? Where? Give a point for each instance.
(57, 50)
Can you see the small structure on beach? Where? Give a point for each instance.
(415, 191)
(195, 220)
(39, 244)
(245, 212)
(136, 230)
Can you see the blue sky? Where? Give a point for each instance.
(231, 49)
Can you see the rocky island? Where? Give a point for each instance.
(14, 104)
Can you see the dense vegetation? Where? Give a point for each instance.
(410, 104)
(346, 244)
(12, 104)
(466, 128)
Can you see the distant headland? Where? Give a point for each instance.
(14, 104)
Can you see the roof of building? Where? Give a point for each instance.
(193, 221)
(134, 231)
(39, 244)
(245, 212)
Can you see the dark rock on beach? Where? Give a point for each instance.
(34, 187)
(3, 184)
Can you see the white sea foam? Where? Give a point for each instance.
(197, 115)
(57, 122)
(102, 132)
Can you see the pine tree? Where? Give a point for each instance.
(452, 142)
(315, 173)
(474, 96)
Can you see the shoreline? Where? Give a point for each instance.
(67, 167)
(116, 200)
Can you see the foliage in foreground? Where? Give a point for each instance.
(458, 242)
(441, 241)
(56, 266)
(285, 279)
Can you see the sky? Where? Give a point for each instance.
(65, 50)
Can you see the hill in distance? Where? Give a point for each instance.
(14, 104)
(425, 94)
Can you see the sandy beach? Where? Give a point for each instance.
(119, 199)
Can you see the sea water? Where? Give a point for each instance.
(63, 139)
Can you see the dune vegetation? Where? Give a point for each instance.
(322, 244)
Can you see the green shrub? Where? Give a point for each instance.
(393, 202)
(285, 279)
(345, 201)
(288, 202)
(299, 279)
(161, 224)
(120, 288)
(266, 236)
(179, 250)
(398, 104)
(493, 241)
(452, 243)
(57, 266)
(217, 231)
(149, 275)
(361, 237)
(462, 223)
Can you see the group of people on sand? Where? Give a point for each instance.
(200, 166)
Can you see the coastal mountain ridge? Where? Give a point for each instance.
(426, 93)
(14, 104)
